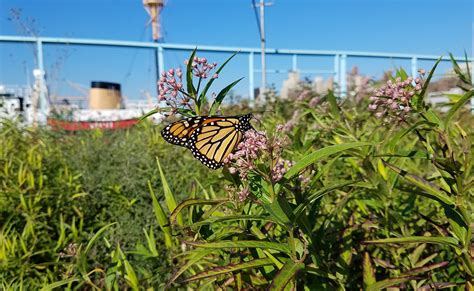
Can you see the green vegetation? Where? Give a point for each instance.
(367, 204)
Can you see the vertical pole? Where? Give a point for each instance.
(295, 63)
(158, 65)
(343, 75)
(414, 67)
(42, 85)
(337, 72)
(251, 80)
(161, 60)
(262, 35)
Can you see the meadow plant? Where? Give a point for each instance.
(343, 200)
(392, 101)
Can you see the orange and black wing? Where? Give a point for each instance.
(179, 132)
(211, 139)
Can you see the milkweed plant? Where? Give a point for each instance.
(367, 192)
(375, 197)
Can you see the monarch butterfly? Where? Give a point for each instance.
(210, 138)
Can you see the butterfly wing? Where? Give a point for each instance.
(179, 132)
(210, 139)
(214, 141)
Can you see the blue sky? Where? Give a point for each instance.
(403, 26)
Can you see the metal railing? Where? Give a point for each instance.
(339, 57)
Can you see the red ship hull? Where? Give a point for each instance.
(89, 125)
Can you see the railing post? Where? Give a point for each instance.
(414, 67)
(294, 63)
(161, 60)
(41, 78)
(343, 75)
(337, 72)
(251, 80)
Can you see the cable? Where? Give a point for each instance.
(257, 18)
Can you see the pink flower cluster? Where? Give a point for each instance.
(255, 145)
(202, 68)
(247, 151)
(392, 100)
(170, 87)
(243, 194)
(280, 168)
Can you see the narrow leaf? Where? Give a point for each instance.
(202, 96)
(193, 260)
(449, 241)
(425, 85)
(319, 154)
(190, 202)
(169, 197)
(458, 106)
(283, 277)
(148, 114)
(96, 236)
(433, 191)
(335, 110)
(369, 272)
(220, 97)
(318, 194)
(161, 217)
(389, 283)
(230, 268)
(242, 244)
(58, 284)
(189, 75)
(425, 269)
(212, 220)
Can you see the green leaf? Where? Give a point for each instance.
(277, 211)
(202, 96)
(369, 271)
(230, 268)
(318, 194)
(402, 73)
(96, 236)
(190, 202)
(220, 97)
(242, 217)
(169, 197)
(285, 274)
(189, 75)
(148, 114)
(161, 217)
(420, 102)
(432, 117)
(425, 269)
(448, 241)
(58, 284)
(319, 154)
(196, 257)
(457, 106)
(389, 283)
(400, 134)
(335, 110)
(131, 276)
(432, 191)
(242, 244)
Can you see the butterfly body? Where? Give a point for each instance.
(210, 138)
